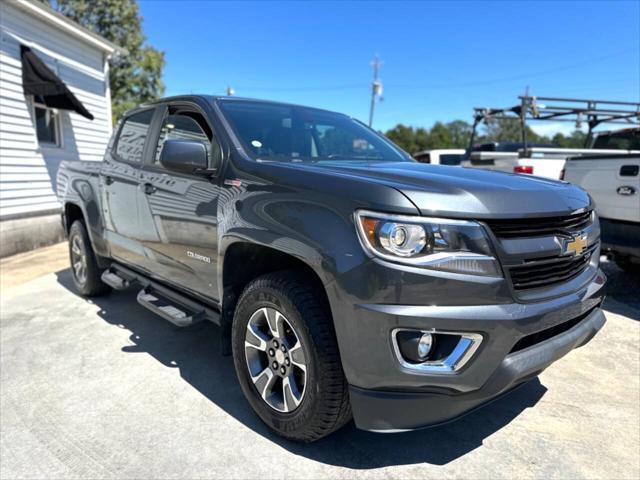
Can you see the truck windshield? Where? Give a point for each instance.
(288, 133)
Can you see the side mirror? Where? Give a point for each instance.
(186, 156)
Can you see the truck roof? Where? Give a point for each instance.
(227, 98)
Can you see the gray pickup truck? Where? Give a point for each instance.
(349, 281)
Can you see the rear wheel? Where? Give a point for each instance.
(286, 358)
(84, 267)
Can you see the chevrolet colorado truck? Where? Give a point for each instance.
(349, 281)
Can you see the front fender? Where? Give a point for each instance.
(322, 237)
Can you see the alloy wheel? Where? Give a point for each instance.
(79, 259)
(275, 359)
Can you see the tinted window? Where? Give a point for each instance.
(423, 158)
(451, 159)
(485, 147)
(297, 134)
(184, 126)
(622, 140)
(133, 135)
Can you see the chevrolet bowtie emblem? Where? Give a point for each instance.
(576, 245)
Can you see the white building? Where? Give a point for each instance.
(34, 137)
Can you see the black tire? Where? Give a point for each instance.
(87, 279)
(324, 406)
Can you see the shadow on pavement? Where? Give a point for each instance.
(195, 351)
(622, 290)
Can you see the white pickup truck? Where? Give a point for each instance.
(614, 183)
(549, 162)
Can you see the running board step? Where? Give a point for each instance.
(180, 312)
(116, 281)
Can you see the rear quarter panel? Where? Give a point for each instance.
(79, 184)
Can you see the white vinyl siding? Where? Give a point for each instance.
(28, 170)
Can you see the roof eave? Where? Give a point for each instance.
(50, 16)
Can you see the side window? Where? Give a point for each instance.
(185, 125)
(48, 123)
(133, 135)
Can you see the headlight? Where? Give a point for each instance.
(458, 246)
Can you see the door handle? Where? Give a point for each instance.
(149, 189)
(108, 180)
(629, 170)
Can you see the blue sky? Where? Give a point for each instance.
(440, 58)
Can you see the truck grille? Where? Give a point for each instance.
(538, 227)
(549, 271)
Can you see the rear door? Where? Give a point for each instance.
(178, 211)
(120, 180)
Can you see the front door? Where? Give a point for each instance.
(178, 211)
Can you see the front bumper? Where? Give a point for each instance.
(385, 396)
(386, 411)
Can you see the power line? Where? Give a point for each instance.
(479, 83)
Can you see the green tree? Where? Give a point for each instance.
(456, 134)
(460, 132)
(422, 139)
(575, 140)
(509, 130)
(404, 137)
(440, 136)
(135, 76)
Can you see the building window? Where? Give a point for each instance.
(48, 125)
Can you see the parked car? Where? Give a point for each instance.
(348, 279)
(449, 156)
(614, 183)
(549, 162)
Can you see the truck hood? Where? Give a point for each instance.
(466, 192)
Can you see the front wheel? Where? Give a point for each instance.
(286, 358)
(84, 267)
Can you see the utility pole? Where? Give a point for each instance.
(230, 91)
(524, 107)
(376, 87)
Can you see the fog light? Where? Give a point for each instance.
(424, 345)
(434, 352)
(416, 346)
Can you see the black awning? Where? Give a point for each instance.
(40, 81)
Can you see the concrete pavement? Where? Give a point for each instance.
(105, 389)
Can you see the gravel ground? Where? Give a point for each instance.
(108, 390)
